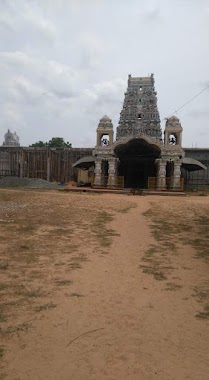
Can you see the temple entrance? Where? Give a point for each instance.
(169, 174)
(137, 162)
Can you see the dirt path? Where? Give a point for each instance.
(125, 324)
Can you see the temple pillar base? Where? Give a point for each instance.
(161, 175)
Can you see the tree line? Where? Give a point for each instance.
(55, 142)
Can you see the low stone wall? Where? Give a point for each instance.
(198, 179)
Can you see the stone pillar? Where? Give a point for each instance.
(17, 164)
(177, 175)
(112, 172)
(28, 165)
(21, 164)
(98, 173)
(161, 175)
(48, 166)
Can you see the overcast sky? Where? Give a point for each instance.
(65, 63)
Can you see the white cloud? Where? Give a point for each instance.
(92, 50)
(54, 94)
(26, 16)
(65, 63)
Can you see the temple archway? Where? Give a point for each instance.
(137, 161)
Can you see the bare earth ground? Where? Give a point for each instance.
(103, 286)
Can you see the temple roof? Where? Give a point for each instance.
(105, 118)
(191, 165)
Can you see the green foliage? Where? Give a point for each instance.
(39, 144)
(55, 142)
(58, 142)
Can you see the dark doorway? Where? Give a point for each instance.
(105, 167)
(169, 174)
(137, 162)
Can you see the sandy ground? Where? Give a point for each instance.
(110, 317)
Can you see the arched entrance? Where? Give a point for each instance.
(137, 162)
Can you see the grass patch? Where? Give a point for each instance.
(157, 273)
(103, 233)
(15, 329)
(171, 286)
(76, 295)
(20, 290)
(3, 317)
(169, 245)
(75, 261)
(201, 293)
(35, 274)
(201, 247)
(4, 265)
(63, 282)
(3, 286)
(47, 306)
(75, 265)
(61, 231)
(148, 213)
(2, 352)
(165, 232)
(126, 209)
(203, 314)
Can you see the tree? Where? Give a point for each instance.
(58, 142)
(55, 142)
(39, 144)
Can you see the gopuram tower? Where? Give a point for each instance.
(139, 158)
(140, 113)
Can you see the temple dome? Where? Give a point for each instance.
(8, 134)
(11, 139)
(105, 121)
(173, 118)
(173, 123)
(105, 118)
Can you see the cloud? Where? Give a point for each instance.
(149, 11)
(54, 94)
(32, 76)
(65, 63)
(200, 113)
(92, 50)
(26, 16)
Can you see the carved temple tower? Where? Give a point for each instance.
(140, 113)
(140, 158)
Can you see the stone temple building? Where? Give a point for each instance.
(11, 139)
(140, 157)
